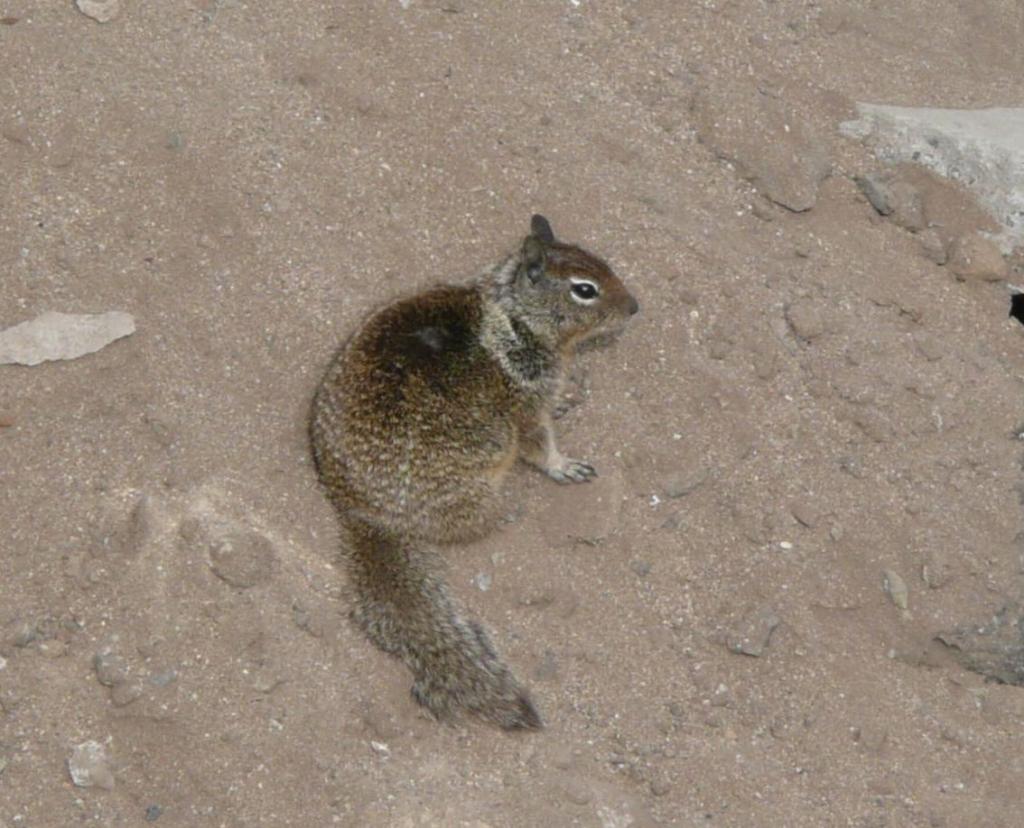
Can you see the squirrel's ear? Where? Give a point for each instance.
(541, 228)
(533, 258)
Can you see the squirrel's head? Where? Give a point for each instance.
(564, 289)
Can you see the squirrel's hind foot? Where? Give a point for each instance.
(569, 470)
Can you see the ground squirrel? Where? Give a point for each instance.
(416, 423)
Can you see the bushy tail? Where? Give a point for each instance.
(403, 605)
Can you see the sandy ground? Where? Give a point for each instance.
(805, 403)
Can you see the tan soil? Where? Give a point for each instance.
(826, 403)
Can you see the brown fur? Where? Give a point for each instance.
(414, 428)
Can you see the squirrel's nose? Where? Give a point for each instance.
(634, 306)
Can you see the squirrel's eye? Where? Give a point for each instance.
(584, 290)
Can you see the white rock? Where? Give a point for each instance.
(54, 336)
(983, 149)
(896, 588)
(88, 766)
(102, 11)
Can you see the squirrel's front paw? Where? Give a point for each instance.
(568, 470)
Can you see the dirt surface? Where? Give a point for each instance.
(806, 440)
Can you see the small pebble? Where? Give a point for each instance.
(24, 634)
(238, 556)
(164, 678)
(53, 649)
(896, 588)
(805, 320)
(754, 633)
(660, 788)
(153, 813)
(125, 693)
(88, 766)
(110, 668)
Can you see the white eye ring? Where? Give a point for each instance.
(584, 291)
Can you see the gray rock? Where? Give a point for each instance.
(994, 650)
(770, 144)
(89, 768)
(22, 633)
(55, 336)
(981, 148)
(899, 200)
(111, 669)
(876, 190)
(153, 813)
(752, 636)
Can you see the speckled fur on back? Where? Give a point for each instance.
(414, 428)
